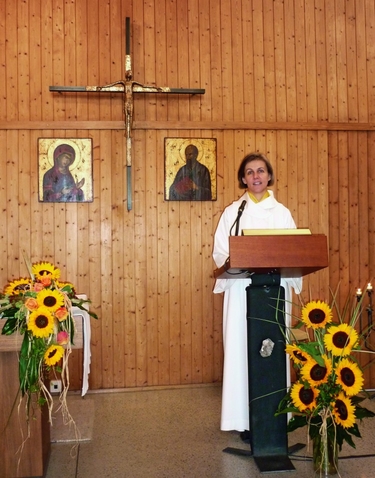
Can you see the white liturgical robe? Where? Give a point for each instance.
(267, 214)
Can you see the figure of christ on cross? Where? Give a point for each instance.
(127, 87)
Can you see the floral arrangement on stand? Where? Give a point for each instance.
(325, 396)
(39, 308)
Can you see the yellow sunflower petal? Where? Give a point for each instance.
(41, 322)
(340, 339)
(42, 269)
(349, 376)
(343, 411)
(316, 314)
(296, 354)
(52, 299)
(53, 354)
(303, 398)
(17, 287)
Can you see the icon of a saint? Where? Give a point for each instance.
(192, 181)
(58, 182)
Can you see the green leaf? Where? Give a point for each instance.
(8, 312)
(362, 412)
(295, 422)
(23, 361)
(10, 326)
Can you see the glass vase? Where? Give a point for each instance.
(325, 456)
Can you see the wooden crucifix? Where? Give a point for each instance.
(127, 86)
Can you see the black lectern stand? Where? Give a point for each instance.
(267, 373)
(271, 258)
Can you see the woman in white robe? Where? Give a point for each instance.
(261, 211)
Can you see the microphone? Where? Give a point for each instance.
(239, 214)
(241, 208)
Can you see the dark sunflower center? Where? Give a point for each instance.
(318, 373)
(44, 273)
(41, 321)
(52, 353)
(306, 396)
(340, 339)
(317, 316)
(49, 301)
(347, 376)
(22, 287)
(341, 409)
(299, 356)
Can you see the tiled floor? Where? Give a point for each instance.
(175, 433)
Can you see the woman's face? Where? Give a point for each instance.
(256, 177)
(64, 160)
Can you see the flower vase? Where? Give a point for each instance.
(325, 456)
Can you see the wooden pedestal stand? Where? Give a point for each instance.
(32, 461)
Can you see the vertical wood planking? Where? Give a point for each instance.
(267, 47)
(118, 267)
(290, 60)
(163, 285)
(238, 54)
(151, 199)
(301, 72)
(3, 63)
(351, 36)
(311, 68)
(35, 52)
(280, 61)
(321, 60)
(342, 60)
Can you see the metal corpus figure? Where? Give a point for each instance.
(128, 87)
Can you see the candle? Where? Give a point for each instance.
(369, 287)
(359, 293)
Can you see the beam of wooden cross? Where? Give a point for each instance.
(128, 86)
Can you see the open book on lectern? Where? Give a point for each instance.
(276, 232)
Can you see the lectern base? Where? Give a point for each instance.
(272, 464)
(269, 464)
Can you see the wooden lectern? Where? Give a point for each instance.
(33, 460)
(267, 259)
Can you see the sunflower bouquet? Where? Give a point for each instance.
(39, 308)
(324, 396)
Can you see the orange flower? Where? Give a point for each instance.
(46, 280)
(62, 338)
(38, 287)
(61, 314)
(31, 303)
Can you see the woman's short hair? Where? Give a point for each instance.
(252, 157)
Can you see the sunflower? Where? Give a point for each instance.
(298, 355)
(316, 374)
(349, 376)
(53, 354)
(340, 339)
(303, 398)
(316, 314)
(43, 269)
(17, 287)
(41, 322)
(52, 299)
(343, 411)
(65, 286)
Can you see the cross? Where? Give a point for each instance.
(128, 86)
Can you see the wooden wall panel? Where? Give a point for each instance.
(293, 79)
